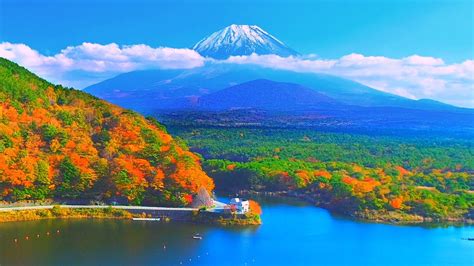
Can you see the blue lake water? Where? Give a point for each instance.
(293, 233)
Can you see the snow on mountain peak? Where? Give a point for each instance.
(241, 40)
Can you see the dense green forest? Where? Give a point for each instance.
(65, 144)
(349, 173)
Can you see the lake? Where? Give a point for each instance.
(293, 233)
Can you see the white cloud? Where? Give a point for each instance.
(288, 63)
(423, 60)
(92, 62)
(358, 60)
(413, 76)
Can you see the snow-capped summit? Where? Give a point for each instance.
(241, 40)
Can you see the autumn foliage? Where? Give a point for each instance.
(62, 143)
(255, 207)
(396, 203)
(349, 173)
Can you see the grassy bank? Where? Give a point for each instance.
(227, 218)
(247, 219)
(58, 212)
(64, 213)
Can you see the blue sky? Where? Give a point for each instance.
(413, 48)
(327, 28)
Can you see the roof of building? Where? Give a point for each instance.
(237, 200)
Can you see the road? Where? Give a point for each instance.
(148, 208)
(218, 205)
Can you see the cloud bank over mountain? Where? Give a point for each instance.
(89, 63)
(414, 76)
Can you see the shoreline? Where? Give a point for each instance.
(33, 214)
(186, 215)
(373, 216)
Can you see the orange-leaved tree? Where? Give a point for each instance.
(255, 207)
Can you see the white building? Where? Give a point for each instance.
(241, 206)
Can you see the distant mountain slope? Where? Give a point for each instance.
(147, 91)
(266, 95)
(63, 143)
(241, 40)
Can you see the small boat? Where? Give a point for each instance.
(197, 236)
(146, 219)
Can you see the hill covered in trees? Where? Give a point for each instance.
(62, 143)
(391, 178)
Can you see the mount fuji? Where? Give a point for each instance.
(285, 95)
(236, 40)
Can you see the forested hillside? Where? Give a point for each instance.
(62, 143)
(373, 177)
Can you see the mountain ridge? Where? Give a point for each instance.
(266, 95)
(172, 89)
